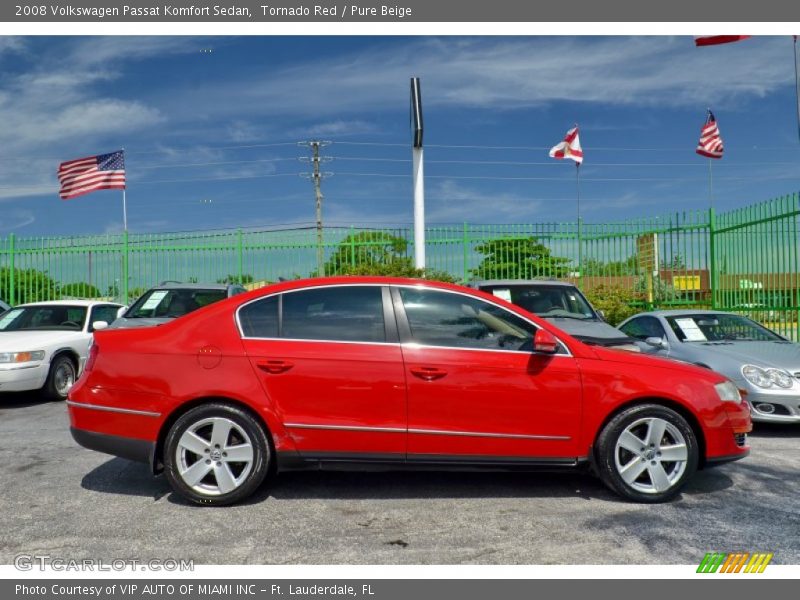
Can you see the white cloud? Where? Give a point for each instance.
(510, 73)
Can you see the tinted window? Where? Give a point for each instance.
(452, 320)
(643, 328)
(347, 314)
(260, 319)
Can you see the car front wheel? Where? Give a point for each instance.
(647, 453)
(60, 378)
(216, 454)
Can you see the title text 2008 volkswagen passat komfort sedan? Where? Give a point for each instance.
(381, 373)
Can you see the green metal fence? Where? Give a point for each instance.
(744, 260)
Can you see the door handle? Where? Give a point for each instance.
(274, 366)
(428, 373)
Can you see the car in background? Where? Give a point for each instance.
(170, 300)
(562, 304)
(389, 373)
(759, 361)
(43, 345)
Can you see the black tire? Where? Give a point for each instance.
(649, 485)
(211, 489)
(60, 378)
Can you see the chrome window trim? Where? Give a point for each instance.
(127, 411)
(522, 436)
(567, 352)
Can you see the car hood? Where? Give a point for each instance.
(634, 359)
(592, 332)
(123, 323)
(18, 341)
(729, 356)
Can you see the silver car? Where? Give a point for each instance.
(759, 361)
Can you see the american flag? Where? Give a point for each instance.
(710, 143)
(569, 148)
(84, 175)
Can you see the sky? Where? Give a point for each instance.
(210, 128)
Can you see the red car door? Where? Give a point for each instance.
(476, 389)
(333, 368)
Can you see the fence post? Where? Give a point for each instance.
(125, 267)
(240, 255)
(712, 257)
(11, 280)
(465, 244)
(352, 247)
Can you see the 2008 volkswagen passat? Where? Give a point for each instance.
(393, 373)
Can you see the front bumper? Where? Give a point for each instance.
(124, 447)
(785, 407)
(22, 378)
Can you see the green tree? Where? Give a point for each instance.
(617, 302)
(598, 268)
(377, 253)
(79, 290)
(30, 285)
(519, 258)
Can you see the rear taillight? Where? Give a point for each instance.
(94, 350)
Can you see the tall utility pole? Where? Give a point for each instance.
(418, 174)
(316, 177)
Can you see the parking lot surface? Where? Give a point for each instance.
(64, 501)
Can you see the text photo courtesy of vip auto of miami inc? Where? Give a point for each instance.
(400, 300)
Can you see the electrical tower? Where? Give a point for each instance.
(316, 176)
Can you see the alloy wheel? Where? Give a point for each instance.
(651, 455)
(214, 456)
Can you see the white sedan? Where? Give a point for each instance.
(43, 345)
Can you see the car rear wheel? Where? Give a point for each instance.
(60, 378)
(647, 453)
(216, 454)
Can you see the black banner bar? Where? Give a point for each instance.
(438, 11)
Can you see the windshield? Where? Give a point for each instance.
(172, 303)
(53, 317)
(546, 300)
(720, 327)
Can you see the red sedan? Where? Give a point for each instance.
(365, 372)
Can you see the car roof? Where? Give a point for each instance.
(530, 282)
(682, 311)
(84, 303)
(172, 285)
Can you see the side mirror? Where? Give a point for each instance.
(656, 342)
(545, 342)
(98, 325)
(601, 314)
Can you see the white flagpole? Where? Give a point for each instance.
(418, 174)
(124, 211)
(580, 224)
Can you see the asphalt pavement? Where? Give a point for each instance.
(62, 500)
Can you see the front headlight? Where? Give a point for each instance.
(21, 357)
(728, 392)
(767, 378)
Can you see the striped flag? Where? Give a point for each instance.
(714, 40)
(569, 148)
(84, 175)
(710, 144)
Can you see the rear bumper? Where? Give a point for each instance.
(131, 448)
